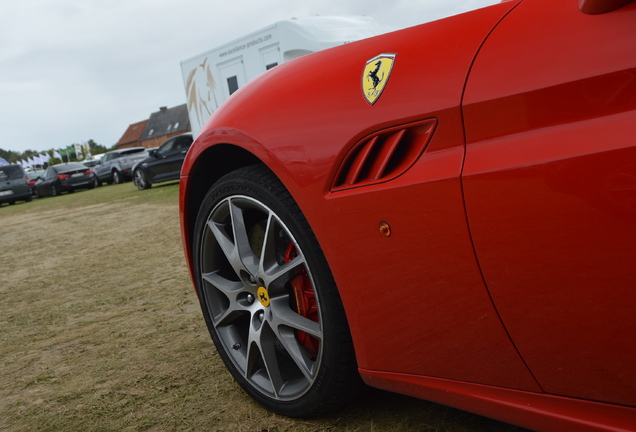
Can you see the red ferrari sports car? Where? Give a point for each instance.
(447, 211)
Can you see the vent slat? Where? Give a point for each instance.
(358, 163)
(385, 152)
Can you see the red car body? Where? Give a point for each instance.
(507, 285)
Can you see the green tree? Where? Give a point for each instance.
(96, 148)
(15, 157)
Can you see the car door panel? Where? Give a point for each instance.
(160, 166)
(550, 189)
(169, 165)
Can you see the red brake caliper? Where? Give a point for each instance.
(305, 302)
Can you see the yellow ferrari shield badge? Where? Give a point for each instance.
(263, 296)
(375, 76)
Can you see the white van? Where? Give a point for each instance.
(211, 77)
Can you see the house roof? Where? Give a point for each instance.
(133, 133)
(167, 121)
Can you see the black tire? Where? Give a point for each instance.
(117, 178)
(54, 191)
(29, 199)
(37, 194)
(308, 372)
(140, 180)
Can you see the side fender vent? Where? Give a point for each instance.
(384, 155)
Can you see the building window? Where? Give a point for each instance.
(176, 125)
(151, 132)
(169, 127)
(232, 84)
(271, 65)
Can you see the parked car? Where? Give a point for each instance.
(13, 184)
(446, 211)
(90, 163)
(115, 166)
(32, 177)
(64, 177)
(162, 164)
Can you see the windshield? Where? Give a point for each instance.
(70, 166)
(11, 172)
(133, 151)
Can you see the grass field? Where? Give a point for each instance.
(100, 330)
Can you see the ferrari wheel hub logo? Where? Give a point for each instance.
(376, 75)
(263, 296)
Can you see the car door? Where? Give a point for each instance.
(182, 145)
(101, 170)
(47, 179)
(168, 159)
(157, 166)
(550, 190)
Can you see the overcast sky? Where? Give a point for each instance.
(74, 70)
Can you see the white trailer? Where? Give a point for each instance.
(211, 77)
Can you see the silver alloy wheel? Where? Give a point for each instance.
(140, 180)
(248, 277)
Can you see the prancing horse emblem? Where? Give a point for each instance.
(375, 76)
(263, 296)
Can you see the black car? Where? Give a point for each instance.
(65, 177)
(164, 163)
(13, 184)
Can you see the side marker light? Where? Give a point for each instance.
(385, 229)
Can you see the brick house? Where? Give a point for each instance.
(132, 135)
(163, 124)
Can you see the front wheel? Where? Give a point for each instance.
(268, 297)
(54, 190)
(117, 178)
(140, 180)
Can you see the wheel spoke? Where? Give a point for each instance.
(263, 348)
(284, 323)
(243, 249)
(280, 273)
(270, 269)
(224, 285)
(226, 244)
(268, 251)
(237, 249)
(297, 353)
(284, 316)
(223, 316)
